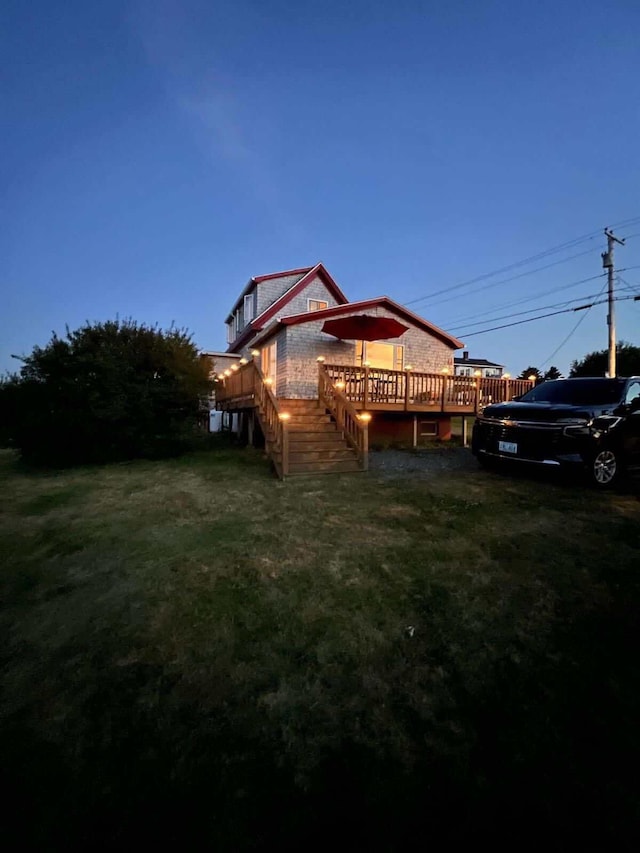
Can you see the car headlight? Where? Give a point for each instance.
(574, 426)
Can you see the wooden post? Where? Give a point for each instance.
(415, 430)
(407, 379)
(507, 391)
(365, 447)
(444, 391)
(477, 397)
(251, 427)
(285, 449)
(465, 438)
(365, 395)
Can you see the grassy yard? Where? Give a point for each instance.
(195, 653)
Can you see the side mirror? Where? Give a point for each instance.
(516, 398)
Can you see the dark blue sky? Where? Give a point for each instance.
(155, 155)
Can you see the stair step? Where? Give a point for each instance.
(321, 455)
(346, 466)
(315, 427)
(316, 441)
(309, 418)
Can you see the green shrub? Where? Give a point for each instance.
(108, 391)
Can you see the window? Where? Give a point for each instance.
(386, 356)
(231, 335)
(316, 305)
(633, 393)
(248, 307)
(269, 361)
(429, 429)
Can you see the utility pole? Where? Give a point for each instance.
(607, 263)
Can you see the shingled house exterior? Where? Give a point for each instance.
(292, 374)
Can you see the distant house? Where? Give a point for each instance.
(320, 376)
(467, 366)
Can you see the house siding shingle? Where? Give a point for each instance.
(297, 369)
(268, 291)
(316, 289)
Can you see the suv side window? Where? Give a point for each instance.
(633, 393)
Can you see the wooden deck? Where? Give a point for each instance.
(375, 389)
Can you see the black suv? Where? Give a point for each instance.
(594, 422)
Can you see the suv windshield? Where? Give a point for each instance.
(576, 392)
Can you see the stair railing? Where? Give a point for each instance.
(354, 426)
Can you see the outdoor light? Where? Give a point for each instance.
(532, 377)
(366, 363)
(284, 416)
(477, 373)
(339, 384)
(243, 360)
(408, 367)
(255, 353)
(268, 380)
(320, 358)
(227, 372)
(365, 417)
(445, 369)
(506, 376)
(234, 367)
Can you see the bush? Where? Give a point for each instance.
(105, 392)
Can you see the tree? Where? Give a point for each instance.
(531, 371)
(553, 373)
(597, 363)
(107, 391)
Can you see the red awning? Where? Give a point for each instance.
(364, 327)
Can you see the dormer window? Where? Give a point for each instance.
(316, 305)
(248, 307)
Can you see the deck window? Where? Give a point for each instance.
(382, 355)
(316, 305)
(269, 361)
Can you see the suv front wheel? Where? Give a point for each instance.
(604, 467)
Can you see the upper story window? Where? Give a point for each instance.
(316, 305)
(248, 307)
(231, 333)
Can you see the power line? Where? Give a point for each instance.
(544, 316)
(526, 299)
(581, 319)
(528, 311)
(511, 278)
(569, 244)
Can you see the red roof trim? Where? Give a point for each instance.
(294, 290)
(284, 274)
(308, 317)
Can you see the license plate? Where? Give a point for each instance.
(507, 447)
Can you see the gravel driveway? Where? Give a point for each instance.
(428, 461)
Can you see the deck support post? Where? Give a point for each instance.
(365, 447)
(415, 430)
(365, 394)
(251, 427)
(465, 436)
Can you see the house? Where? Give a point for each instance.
(321, 377)
(467, 366)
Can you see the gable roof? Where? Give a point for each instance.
(301, 272)
(379, 301)
(477, 362)
(257, 324)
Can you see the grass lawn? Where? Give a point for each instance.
(195, 653)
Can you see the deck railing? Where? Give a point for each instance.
(372, 387)
(377, 388)
(353, 426)
(247, 387)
